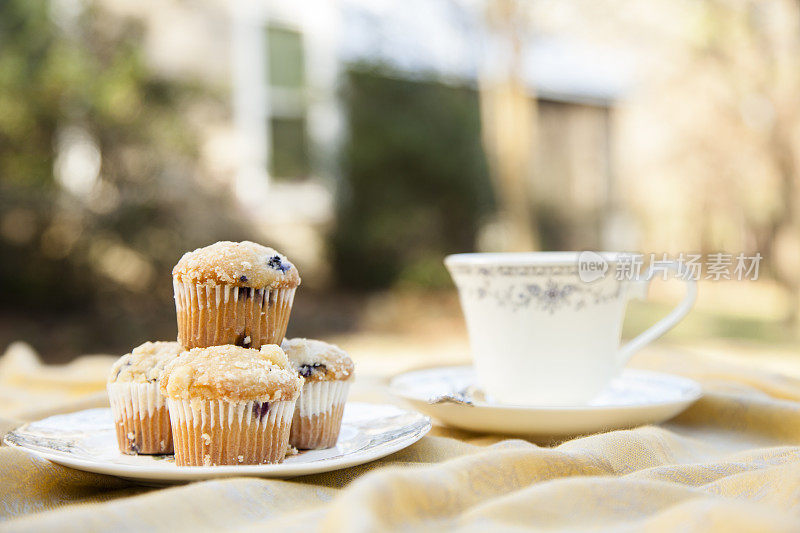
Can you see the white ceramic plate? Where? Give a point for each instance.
(85, 440)
(635, 398)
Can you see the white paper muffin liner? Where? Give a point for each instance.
(218, 432)
(318, 414)
(140, 418)
(319, 396)
(213, 315)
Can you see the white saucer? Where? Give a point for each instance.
(85, 440)
(635, 398)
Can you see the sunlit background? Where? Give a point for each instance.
(367, 139)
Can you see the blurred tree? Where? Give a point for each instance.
(98, 184)
(740, 132)
(415, 181)
(508, 113)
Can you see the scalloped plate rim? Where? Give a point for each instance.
(414, 432)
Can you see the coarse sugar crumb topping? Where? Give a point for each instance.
(243, 264)
(144, 363)
(231, 373)
(317, 361)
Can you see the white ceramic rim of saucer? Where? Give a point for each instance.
(691, 391)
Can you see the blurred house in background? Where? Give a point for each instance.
(289, 69)
(367, 139)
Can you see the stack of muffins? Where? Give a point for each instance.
(231, 390)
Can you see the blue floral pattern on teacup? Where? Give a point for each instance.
(558, 291)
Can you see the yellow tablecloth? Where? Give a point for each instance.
(729, 463)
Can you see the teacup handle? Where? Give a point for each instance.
(639, 291)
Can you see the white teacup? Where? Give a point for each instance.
(544, 327)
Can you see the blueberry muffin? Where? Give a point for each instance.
(230, 405)
(328, 372)
(238, 293)
(140, 412)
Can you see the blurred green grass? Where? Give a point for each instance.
(705, 324)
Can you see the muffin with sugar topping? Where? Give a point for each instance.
(238, 293)
(140, 413)
(328, 372)
(230, 405)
